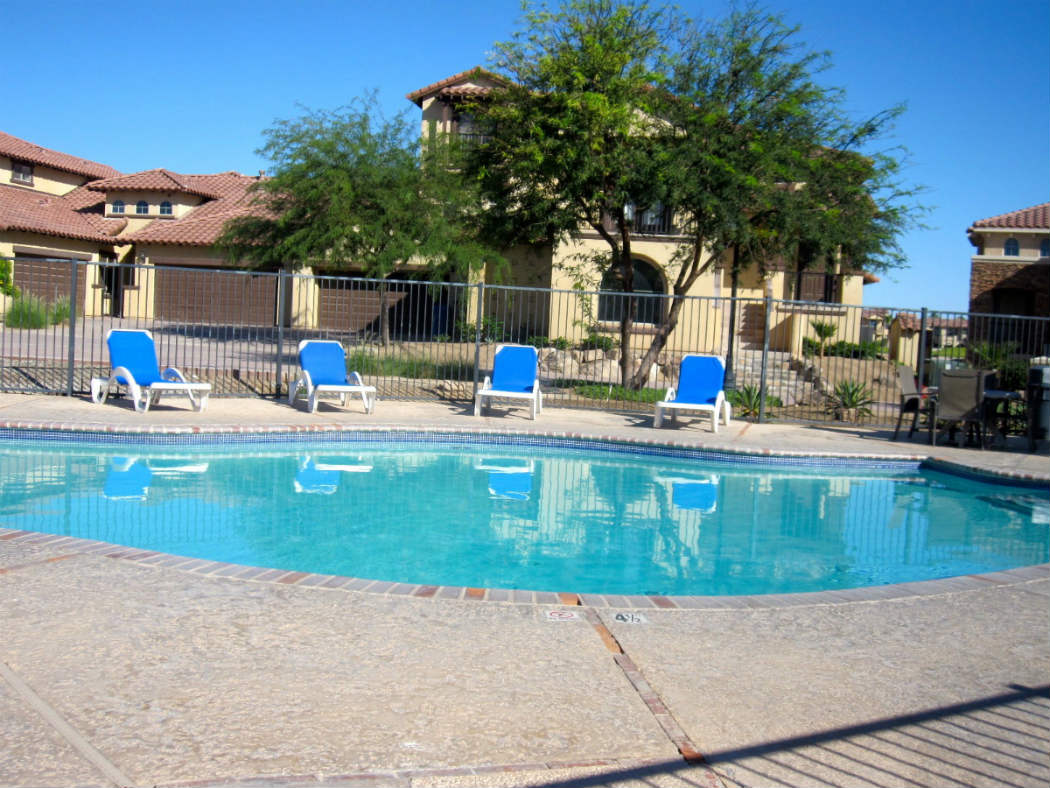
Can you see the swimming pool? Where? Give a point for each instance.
(534, 514)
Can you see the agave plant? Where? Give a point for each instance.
(850, 400)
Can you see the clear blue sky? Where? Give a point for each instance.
(191, 85)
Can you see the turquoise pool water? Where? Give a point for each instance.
(531, 517)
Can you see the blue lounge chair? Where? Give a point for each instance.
(133, 357)
(514, 376)
(323, 364)
(700, 383)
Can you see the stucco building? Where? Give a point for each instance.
(1010, 267)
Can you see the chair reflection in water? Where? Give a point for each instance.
(322, 477)
(509, 479)
(130, 478)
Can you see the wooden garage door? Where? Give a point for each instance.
(346, 305)
(217, 296)
(48, 279)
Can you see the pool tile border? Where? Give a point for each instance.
(283, 577)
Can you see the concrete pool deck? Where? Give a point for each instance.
(121, 672)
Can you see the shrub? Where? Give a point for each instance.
(1012, 371)
(598, 342)
(844, 349)
(538, 341)
(850, 397)
(7, 284)
(492, 330)
(30, 311)
(408, 367)
(610, 391)
(747, 399)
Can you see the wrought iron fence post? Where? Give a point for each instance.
(72, 327)
(281, 288)
(765, 361)
(479, 311)
(921, 373)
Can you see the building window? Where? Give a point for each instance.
(1011, 248)
(142, 207)
(1044, 247)
(165, 208)
(657, 219)
(21, 172)
(118, 206)
(647, 282)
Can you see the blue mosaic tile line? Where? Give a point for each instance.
(437, 439)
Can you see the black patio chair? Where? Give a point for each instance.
(918, 403)
(960, 402)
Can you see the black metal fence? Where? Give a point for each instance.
(806, 360)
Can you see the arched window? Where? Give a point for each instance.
(118, 206)
(1011, 248)
(142, 207)
(647, 279)
(1044, 247)
(165, 208)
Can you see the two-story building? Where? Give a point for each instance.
(1010, 268)
(444, 109)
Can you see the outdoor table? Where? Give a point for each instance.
(996, 406)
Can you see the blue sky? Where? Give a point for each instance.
(191, 85)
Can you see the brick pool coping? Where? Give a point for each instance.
(203, 567)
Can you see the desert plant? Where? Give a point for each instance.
(30, 311)
(598, 342)
(747, 400)
(850, 400)
(1012, 370)
(824, 332)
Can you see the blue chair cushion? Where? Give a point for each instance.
(326, 363)
(514, 369)
(135, 351)
(699, 380)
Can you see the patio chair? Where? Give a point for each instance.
(514, 376)
(960, 401)
(700, 388)
(133, 358)
(323, 365)
(918, 403)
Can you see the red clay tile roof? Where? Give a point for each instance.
(159, 180)
(1035, 218)
(21, 150)
(911, 322)
(48, 214)
(202, 226)
(447, 86)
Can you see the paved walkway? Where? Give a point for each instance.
(121, 672)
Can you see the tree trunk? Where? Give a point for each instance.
(384, 317)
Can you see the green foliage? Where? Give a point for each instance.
(850, 397)
(351, 189)
(1012, 370)
(824, 332)
(845, 349)
(598, 342)
(561, 343)
(7, 284)
(746, 400)
(607, 391)
(30, 311)
(492, 330)
(408, 367)
(614, 102)
(948, 351)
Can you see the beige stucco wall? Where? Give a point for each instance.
(45, 179)
(994, 241)
(181, 204)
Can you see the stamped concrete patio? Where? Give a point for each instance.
(119, 668)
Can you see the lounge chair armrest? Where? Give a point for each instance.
(354, 379)
(173, 374)
(670, 395)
